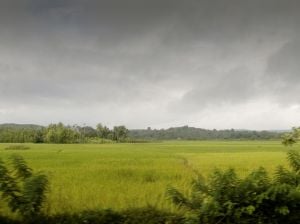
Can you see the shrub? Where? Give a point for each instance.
(150, 215)
(131, 216)
(257, 198)
(23, 191)
(85, 217)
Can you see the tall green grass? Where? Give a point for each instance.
(121, 176)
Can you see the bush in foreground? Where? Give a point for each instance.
(147, 215)
(23, 191)
(257, 198)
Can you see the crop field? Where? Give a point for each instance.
(119, 176)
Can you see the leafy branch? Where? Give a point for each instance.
(24, 191)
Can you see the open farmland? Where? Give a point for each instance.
(118, 176)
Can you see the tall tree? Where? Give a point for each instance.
(120, 133)
(103, 131)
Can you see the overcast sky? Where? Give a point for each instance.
(159, 63)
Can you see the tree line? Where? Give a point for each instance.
(191, 133)
(60, 133)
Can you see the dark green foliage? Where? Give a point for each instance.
(39, 136)
(257, 198)
(59, 133)
(150, 215)
(103, 132)
(20, 168)
(290, 177)
(33, 194)
(86, 217)
(120, 133)
(291, 138)
(9, 188)
(14, 133)
(6, 220)
(23, 191)
(294, 160)
(86, 131)
(191, 133)
(147, 215)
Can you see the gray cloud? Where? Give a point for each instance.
(282, 73)
(150, 62)
(236, 86)
(284, 64)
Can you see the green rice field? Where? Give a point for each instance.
(119, 176)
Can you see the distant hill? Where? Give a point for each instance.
(20, 126)
(191, 133)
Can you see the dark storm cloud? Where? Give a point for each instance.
(236, 86)
(151, 57)
(283, 72)
(284, 64)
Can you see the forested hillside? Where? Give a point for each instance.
(20, 132)
(191, 133)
